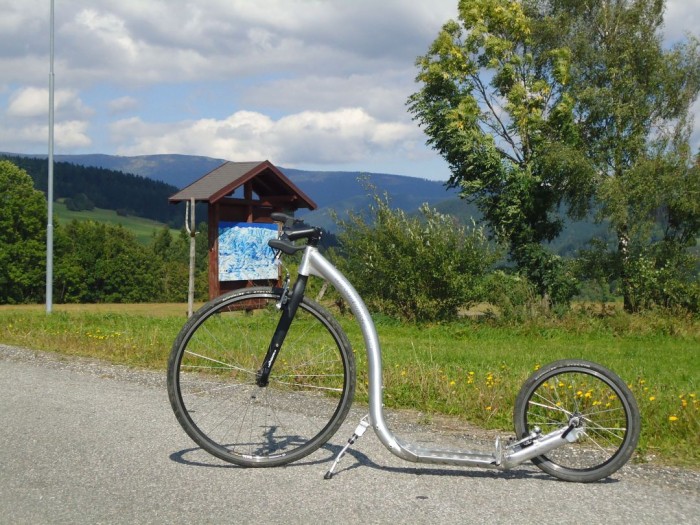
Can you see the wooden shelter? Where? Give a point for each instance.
(237, 194)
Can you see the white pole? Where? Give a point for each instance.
(49, 196)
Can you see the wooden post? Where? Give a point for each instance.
(191, 229)
(213, 250)
(248, 196)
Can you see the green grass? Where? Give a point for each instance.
(470, 370)
(142, 228)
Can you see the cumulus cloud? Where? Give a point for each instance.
(123, 104)
(32, 102)
(383, 95)
(132, 41)
(29, 102)
(681, 17)
(68, 136)
(306, 82)
(25, 120)
(310, 137)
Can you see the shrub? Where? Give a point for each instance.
(80, 202)
(416, 268)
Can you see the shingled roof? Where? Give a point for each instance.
(267, 182)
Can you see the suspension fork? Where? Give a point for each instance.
(288, 305)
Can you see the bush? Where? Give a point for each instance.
(513, 295)
(660, 280)
(659, 275)
(104, 263)
(414, 268)
(80, 202)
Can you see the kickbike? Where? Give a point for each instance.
(264, 376)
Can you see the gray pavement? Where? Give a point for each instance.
(86, 442)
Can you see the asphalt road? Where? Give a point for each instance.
(85, 442)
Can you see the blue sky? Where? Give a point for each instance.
(309, 84)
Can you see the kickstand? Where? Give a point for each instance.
(364, 423)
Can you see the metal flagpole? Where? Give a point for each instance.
(49, 195)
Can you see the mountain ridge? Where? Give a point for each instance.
(335, 192)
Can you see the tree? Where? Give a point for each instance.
(22, 237)
(415, 268)
(494, 105)
(174, 253)
(632, 101)
(100, 263)
(543, 104)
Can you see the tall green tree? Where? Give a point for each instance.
(493, 103)
(632, 108)
(541, 105)
(22, 237)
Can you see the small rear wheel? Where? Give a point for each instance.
(212, 379)
(595, 397)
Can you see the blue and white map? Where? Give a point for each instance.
(243, 251)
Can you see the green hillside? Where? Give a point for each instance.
(103, 188)
(142, 228)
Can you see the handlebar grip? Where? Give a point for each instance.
(285, 219)
(284, 246)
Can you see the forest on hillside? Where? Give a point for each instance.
(86, 187)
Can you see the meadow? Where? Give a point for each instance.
(142, 229)
(470, 370)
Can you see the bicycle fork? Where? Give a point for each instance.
(288, 305)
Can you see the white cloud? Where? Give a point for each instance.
(383, 95)
(30, 102)
(280, 69)
(310, 137)
(68, 136)
(72, 135)
(695, 135)
(681, 17)
(148, 42)
(123, 104)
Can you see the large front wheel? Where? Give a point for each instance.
(597, 400)
(212, 379)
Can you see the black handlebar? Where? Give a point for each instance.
(285, 219)
(292, 230)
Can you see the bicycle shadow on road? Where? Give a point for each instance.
(354, 459)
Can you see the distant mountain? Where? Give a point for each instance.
(176, 170)
(331, 190)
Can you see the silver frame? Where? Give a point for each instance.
(313, 263)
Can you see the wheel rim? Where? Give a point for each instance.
(602, 411)
(234, 418)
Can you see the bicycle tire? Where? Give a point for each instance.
(212, 371)
(610, 415)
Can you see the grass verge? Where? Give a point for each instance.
(471, 370)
